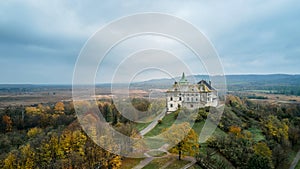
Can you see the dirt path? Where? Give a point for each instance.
(154, 123)
(144, 163)
(192, 162)
(295, 161)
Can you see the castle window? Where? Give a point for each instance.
(192, 105)
(171, 98)
(196, 99)
(171, 105)
(179, 98)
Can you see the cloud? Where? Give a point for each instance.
(40, 40)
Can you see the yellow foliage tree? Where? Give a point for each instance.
(115, 162)
(262, 149)
(277, 129)
(33, 132)
(187, 145)
(32, 110)
(59, 108)
(27, 157)
(10, 162)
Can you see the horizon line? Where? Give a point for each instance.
(106, 83)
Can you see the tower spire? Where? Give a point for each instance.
(183, 80)
(183, 76)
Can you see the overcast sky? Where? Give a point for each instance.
(41, 40)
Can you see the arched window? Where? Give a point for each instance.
(171, 98)
(179, 98)
(171, 105)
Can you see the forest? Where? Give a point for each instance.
(250, 134)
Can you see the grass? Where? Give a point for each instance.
(167, 121)
(154, 143)
(141, 126)
(129, 163)
(178, 164)
(298, 165)
(195, 166)
(156, 153)
(157, 163)
(257, 134)
(197, 127)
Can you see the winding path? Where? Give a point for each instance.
(154, 123)
(295, 161)
(164, 148)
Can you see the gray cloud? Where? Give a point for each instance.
(40, 40)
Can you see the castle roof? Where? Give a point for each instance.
(184, 86)
(208, 85)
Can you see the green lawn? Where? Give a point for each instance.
(167, 121)
(157, 163)
(129, 163)
(195, 166)
(298, 165)
(141, 126)
(178, 164)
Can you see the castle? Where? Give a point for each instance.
(191, 96)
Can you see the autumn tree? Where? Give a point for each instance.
(115, 162)
(27, 159)
(10, 162)
(262, 149)
(279, 130)
(59, 108)
(32, 110)
(33, 132)
(187, 145)
(235, 130)
(8, 123)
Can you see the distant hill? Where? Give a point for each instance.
(273, 83)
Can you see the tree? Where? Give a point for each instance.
(280, 156)
(10, 162)
(107, 112)
(8, 122)
(27, 157)
(183, 144)
(235, 130)
(277, 129)
(259, 162)
(263, 150)
(59, 108)
(33, 132)
(294, 134)
(32, 111)
(115, 162)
